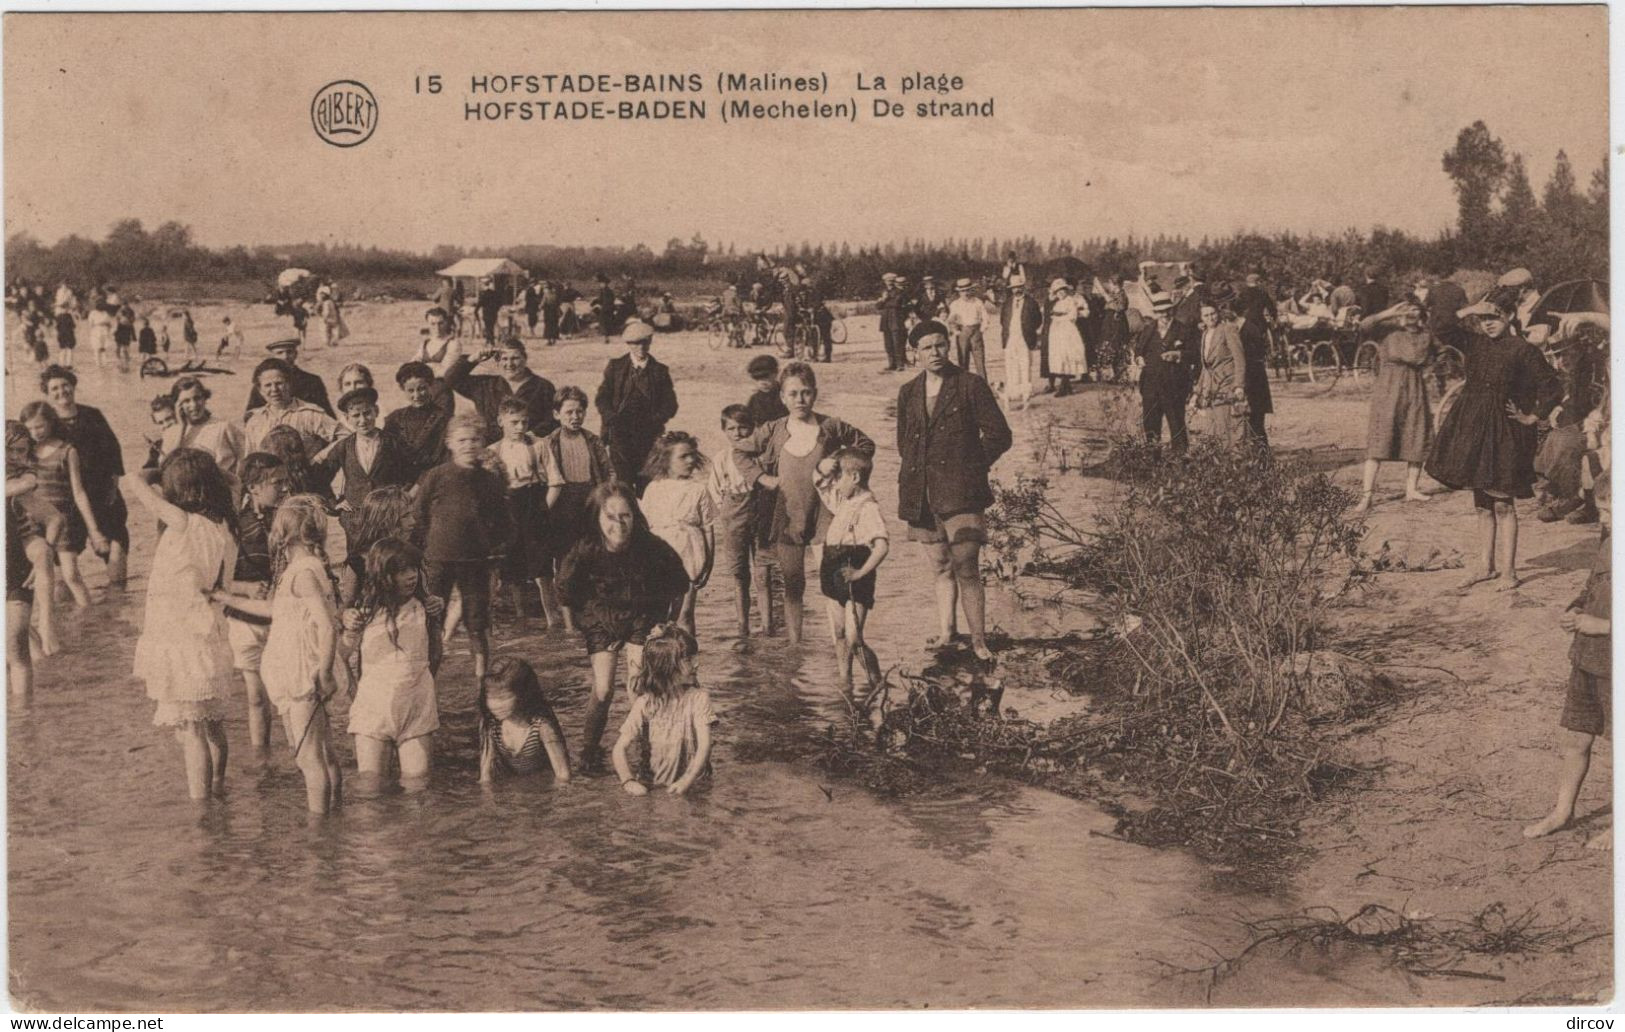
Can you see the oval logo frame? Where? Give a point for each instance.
(352, 102)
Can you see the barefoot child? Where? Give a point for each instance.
(734, 499)
(19, 605)
(184, 653)
(680, 511)
(464, 515)
(518, 732)
(854, 548)
(297, 665)
(1587, 711)
(671, 714)
(62, 485)
(395, 628)
(521, 460)
(265, 484)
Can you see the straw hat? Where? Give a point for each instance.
(1161, 303)
(637, 330)
(962, 283)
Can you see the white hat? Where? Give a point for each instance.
(1018, 280)
(637, 330)
(1519, 277)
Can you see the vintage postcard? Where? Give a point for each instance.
(808, 510)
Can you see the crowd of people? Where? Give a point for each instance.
(613, 535)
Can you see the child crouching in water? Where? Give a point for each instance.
(395, 627)
(297, 666)
(518, 732)
(184, 654)
(854, 548)
(670, 714)
(1588, 709)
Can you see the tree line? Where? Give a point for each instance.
(1562, 234)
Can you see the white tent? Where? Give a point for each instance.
(480, 268)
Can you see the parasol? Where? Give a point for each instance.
(289, 277)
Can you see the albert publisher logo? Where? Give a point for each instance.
(344, 113)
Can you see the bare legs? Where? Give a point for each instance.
(203, 747)
(959, 586)
(259, 715)
(19, 663)
(1575, 761)
(416, 756)
(793, 568)
(43, 558)
(1498, 544)
(846, 628)
(1413, 484)
(305, 722)
(603, 691)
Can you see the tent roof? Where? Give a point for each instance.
(475, 268)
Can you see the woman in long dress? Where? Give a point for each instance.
(1401, 423)
(1219, 398)
(1063, 339)
(1487, 441)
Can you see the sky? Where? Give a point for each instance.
(1193, 121)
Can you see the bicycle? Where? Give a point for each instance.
(764, 330)
(1319, 359)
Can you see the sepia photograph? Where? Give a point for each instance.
(808, 510)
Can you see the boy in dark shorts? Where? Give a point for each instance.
(1587, 710)
(463, 509)
(855, 546)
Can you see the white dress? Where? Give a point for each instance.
(678, 512)
(183, 653)
(289, 666)
(395, 698)
(1066, 353)
(1018, 365)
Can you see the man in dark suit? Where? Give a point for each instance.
(931, 303)
(1171, 354)
(304, 385)
(950, 431)
(1257, 316)
(1020, 319)
(894, 308)
(634, 403)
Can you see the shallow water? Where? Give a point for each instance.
(776, 887)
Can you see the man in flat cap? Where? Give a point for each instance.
(306, 386)
(634, 402)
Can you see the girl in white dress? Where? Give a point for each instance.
(183, 653)
(1067, 357)
(680, 511)
(394, 628)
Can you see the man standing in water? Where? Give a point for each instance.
(634, 402)
(950, 432)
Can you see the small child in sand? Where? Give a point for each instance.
(1587, 710)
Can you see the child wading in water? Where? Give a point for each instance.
(854, 548)
(463, 512)
(184, 654)
(680, 511)
(265, 484)
(395, 627)
(518, 732)
(298, 663)
(670, 713)
(735, 500)
(39, 526)
(1587, 709)
(56, 464)
(521, 459)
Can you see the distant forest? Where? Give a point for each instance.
(1562, 234)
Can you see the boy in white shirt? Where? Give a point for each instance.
(854, 548)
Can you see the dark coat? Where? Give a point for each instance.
(634, 410)
(305, 386)
(487, 392)
(945, 457)
(1032, 320)
(1169, 380)
(395, 464)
